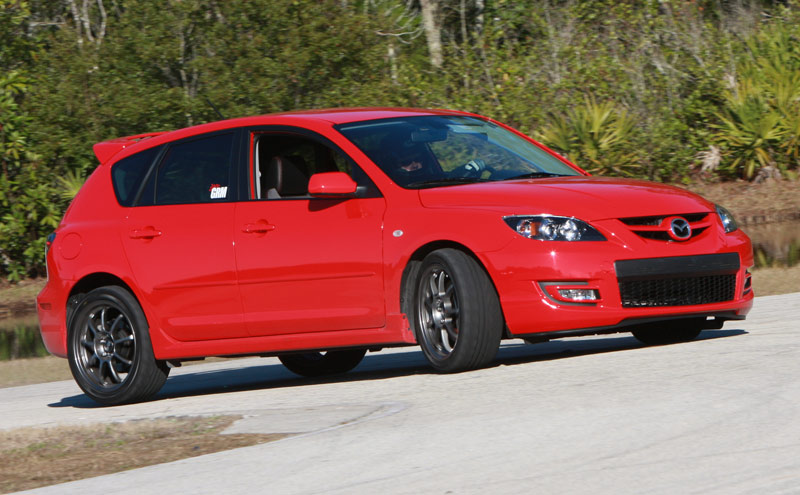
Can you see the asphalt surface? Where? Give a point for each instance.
(588, 415)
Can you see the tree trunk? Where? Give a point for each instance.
(480, 6)
(431, 23)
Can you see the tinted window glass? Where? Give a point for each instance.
(128, 173)
(196, 171)
(439, 150)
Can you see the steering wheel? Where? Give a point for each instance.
(473, 168)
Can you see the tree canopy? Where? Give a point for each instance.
(661, 89)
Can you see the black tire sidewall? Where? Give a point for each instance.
(480, 318)
(144, 378)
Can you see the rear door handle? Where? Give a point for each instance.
(257, 228)
(145, 233)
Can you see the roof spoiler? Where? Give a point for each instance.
(106, 149)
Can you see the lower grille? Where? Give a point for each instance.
(679, 291)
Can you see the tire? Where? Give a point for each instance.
(109, 349)
(458, 319)
(669, 332)
(311, 364)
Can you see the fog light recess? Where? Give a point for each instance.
(579, 295)
(571, 292)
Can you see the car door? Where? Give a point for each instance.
(179, 240)
(306, 264)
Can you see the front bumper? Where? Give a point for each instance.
(525, 269)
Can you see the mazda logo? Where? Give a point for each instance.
(679, 229)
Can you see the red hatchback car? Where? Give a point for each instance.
(315, 236)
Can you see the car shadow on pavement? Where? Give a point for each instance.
(379, 366)
(584, 346)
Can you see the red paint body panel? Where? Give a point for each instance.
(189, 269)
(319, 268)
(261, 276)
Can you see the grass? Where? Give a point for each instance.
(19, 299)
(776, 280)
(36, 457)
(30, 371)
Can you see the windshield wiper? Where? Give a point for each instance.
(536, 175)
(446, 181)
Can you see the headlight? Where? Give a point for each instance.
(727, 219)
(549, 228)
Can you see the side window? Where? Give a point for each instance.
(195, 171)
(283, 164)
(128, 173)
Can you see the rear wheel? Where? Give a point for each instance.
(109, 349)
(458, 318)
(669, 332)
(313, 364)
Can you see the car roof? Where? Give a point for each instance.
(105, 150)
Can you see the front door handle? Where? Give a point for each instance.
(257, 228)
(145, 233)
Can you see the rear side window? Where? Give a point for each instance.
(196, 171)
(128, 173)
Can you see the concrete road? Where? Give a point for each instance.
(589, 415)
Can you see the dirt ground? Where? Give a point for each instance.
(35, 457)
(768, 202)
(18, 300)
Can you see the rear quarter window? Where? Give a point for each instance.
(195, 171)
(127, 175)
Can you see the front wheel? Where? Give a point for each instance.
(311, 364)
(109, 349)
(458, 318)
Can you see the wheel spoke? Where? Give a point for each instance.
(90, 327)
(433, 286)
(88, 345)
(103, 327)
(446, 341)
(127, 338)
(122, 359)
(119, 318)
(114, 375)
(441, 289)
(451, 329)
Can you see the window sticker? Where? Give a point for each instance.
(218, 192)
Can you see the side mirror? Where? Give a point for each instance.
(332, 185)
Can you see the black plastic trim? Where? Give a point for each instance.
(628, 324)
(678, 266)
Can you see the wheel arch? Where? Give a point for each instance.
(88, 283)
(412, 268)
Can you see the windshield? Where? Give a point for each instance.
(430, 151)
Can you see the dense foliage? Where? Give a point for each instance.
(661, 89)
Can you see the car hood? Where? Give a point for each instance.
(588, 198)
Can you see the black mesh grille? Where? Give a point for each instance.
(682, 291)
(656, 220)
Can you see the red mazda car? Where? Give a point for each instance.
(315, 236)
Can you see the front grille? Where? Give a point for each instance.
(682, 291)
(677, 281)
(655, 227)
(656, 220)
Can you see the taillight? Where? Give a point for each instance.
(50, 239)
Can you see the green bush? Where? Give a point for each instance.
(631, 88)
